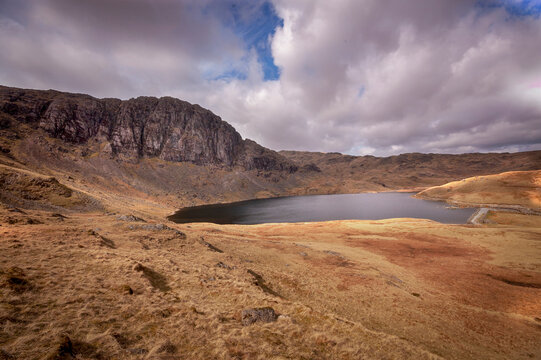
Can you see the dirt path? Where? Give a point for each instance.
(478, 216)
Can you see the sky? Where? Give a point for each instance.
(351, 76)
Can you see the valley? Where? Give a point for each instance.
(90, 267)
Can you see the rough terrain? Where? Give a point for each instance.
(122, 286)
(182, 154)
(415, 171)
(522, 188)
(91, 269)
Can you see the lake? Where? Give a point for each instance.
(310, 208)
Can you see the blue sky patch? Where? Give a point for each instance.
(255, 23)
(231, 74)
(515, 8)
(361, 92)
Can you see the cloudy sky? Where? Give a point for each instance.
(354, 76)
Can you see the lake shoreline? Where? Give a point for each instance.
(320, 208)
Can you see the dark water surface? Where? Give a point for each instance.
(322, 208)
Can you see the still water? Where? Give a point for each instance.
(322, 208)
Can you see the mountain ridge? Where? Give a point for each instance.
(167, 128)
(196, 158)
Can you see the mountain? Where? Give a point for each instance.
(166, 128)
(92, 269)
(168, 151)
(415, 171)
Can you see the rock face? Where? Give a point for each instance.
(166, 128)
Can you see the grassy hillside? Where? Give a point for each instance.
(123, 287)
(90, 268)
(510, 188)
(80, 282)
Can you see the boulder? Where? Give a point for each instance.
(264, 314)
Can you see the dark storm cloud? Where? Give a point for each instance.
(354, 76)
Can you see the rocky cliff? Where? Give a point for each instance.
(165, 128)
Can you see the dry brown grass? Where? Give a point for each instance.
(392, 289)
(183, 304)
(510, 188)
(348, 289)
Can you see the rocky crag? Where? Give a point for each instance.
(166, 128)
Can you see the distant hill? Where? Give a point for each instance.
(416, 171)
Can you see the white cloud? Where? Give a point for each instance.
(432, 83)
(357, 76)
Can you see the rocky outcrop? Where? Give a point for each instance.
(166, 128)
(256, 156)
(265, 314)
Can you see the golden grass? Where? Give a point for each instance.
(30, 189)
(390, 289)
(510, 188)
(399, 288)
